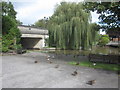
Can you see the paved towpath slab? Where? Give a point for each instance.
(20, 71)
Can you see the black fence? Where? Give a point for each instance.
(112, 59)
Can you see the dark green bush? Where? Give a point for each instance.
(11, 40)
(5, 49)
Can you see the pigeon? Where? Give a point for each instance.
(91, 82)
(35, 61)
(74, 73)
(56, 66)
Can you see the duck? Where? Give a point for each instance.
(48, 59)
(91, 82)
(74, 73)
(48, 56)
(35, 61)
(53, 57)
(57, 66)
(51, 62)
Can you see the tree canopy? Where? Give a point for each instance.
(43, 23)
(70, 27)
(109, 14)
(8, 10)
(10, 32)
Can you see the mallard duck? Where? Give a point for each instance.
(48, 59)
(35, 61)
(57, 66)
(74, 73)
(48, 56)
(53, 57)
(91, 82)
(51, 62)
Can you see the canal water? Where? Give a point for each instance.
(81, 55)
(94, 50)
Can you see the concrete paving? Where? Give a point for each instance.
(20, 71)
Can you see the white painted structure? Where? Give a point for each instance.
(33, 38)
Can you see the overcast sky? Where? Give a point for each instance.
(29, 11)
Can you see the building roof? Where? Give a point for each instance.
(32, 30)
(114, 33)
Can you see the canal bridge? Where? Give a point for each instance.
(32, 37)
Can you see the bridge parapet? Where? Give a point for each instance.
(33, 38)
(30, 30)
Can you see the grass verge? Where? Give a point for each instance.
(112, 67)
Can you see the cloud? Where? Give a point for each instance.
(95, 17)
(29, 11)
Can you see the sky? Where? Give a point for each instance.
(30, 11)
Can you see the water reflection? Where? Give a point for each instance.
(95, 50)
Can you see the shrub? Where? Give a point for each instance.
(5, 49)
(104, 40)
(11, 40)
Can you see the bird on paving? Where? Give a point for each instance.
(48, 56)
(35, 61)
(51, 62)
(48, 59)
(56, 66)
(91, 82)
(74, 73)
(53, 57)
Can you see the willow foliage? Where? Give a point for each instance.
(70, 27)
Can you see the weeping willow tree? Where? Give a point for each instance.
(70, 27)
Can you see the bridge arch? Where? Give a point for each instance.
(33, 38)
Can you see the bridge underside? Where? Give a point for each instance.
(32, 43)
